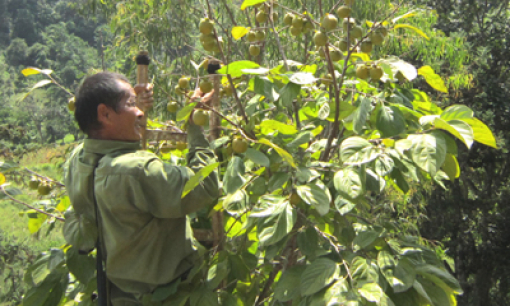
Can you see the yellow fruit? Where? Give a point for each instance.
(178, 90)
(288, 19)
(356, 32)
(210, 46)
(362, 72)
(400, 76)
(329, 22)
(71, 104)
(275, 16)
(376, 73)
(320, 39)
(184, 83)
(335, 55)
(295, 31)
(205, 26)
(200, 117)
(328, 80)
(348, 22)
(384, 31)
(34, 183)
(207, 39)
(343, 45)
(343, 11)
(205, 86)
(377, 38)
(239, 145)
(297, 22)
(260, 35)
(254, 50)
(261, 17)
(252, 36)
(172, 106)
(181, 145)
(294, 198)
(366, 46)
(227, 90)
(322, 54)
(165, 148)
(44, 189)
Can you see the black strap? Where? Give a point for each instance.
(102, 282)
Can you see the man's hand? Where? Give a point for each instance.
(198, 95)
(144, 93)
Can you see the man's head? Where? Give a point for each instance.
(105, 108)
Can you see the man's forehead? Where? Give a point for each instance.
(127, 87)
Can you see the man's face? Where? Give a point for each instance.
(125, 123)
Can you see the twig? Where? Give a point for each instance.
(30, 206)
(44, 177)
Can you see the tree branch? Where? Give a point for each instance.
(30, 206)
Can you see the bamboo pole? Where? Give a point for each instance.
(142, 77)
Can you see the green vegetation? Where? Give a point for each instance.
(388, 188)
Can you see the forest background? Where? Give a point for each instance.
(469, 48)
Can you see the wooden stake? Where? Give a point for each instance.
(142, 77)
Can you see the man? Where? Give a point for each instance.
(142, 218)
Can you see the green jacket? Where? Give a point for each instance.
(148, 238)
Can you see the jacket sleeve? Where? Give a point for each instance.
(162, 183)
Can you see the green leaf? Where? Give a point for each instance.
(80, 231)
(400, 180)
(361, 114)
(269, 126)
(287, 288)
(32, 70)
(436, 274)
(481, 132)
(185, 112)
(464, 130)
(203, 296)
(315, 196)
(41, 83)
(302, 78)
(34, 224)
(265, 87)
(403, 276)
(385, 260)
(390, 121)
(257, 157)
(364, 269)
(458, 112)
(288, 93)
(284, 154)
(344, 205)
(8, 166)
(365, 238)
(428, 151)
(433, 79)
(239, 32)
(371, 292)
(437, 295)
(217, 272)
(235, 68)
(348, 182)
(196, 179)
(357, 151)
(236, 203)
(248, 3)
(410, 27)
(383, 165)
(219, 142)
(374, 182)
(276, 227)
(406, 15)
(81, 266)
(277, 180)
(320, 273)
(234, 175)
(69, 138)
(443, 125)
(396, 64)
(301, 139)
(239, 268)
(49, 292)
(451, 167)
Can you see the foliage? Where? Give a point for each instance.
(346, 144)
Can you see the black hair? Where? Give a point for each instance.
(100, 88)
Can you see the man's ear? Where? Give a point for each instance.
(103, 114)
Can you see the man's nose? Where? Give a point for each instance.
(139, 112)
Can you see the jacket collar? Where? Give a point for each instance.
(105, 147)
